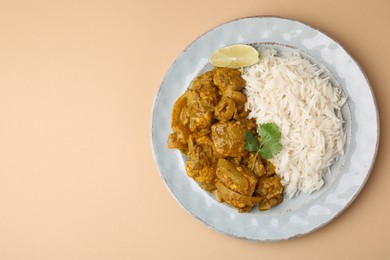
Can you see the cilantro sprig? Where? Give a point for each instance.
(269, 144)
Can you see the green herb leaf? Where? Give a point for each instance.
(252, 144)
(269, 141)
(269, 132)
(270, 149)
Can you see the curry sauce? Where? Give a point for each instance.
(209, 122)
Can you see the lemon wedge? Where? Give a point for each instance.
(234, 56)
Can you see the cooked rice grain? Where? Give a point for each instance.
(290, 91)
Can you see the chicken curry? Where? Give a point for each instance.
(209, 122)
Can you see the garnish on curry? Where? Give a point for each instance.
(210, 125)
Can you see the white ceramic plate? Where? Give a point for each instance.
(305, 213)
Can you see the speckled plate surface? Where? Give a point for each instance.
(305, 213)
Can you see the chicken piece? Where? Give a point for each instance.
(202, 80)
(194, 110)
(270, 191)
(202, 161)
(203, 84)
(256, 164)
(237, 96)
(270, 187)
(237, 178)
(266, 204)
(241, 202)
(229, 137)
(180, 132)
(202, 97)
(225, 109)
(239, 99)
(177, 140)
(192, 113)
(198, 113)
(226, 78)
(269, 168)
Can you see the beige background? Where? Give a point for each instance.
(77, 84)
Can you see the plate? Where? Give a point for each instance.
(305, 213)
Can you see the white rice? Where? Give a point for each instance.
(290, 91)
